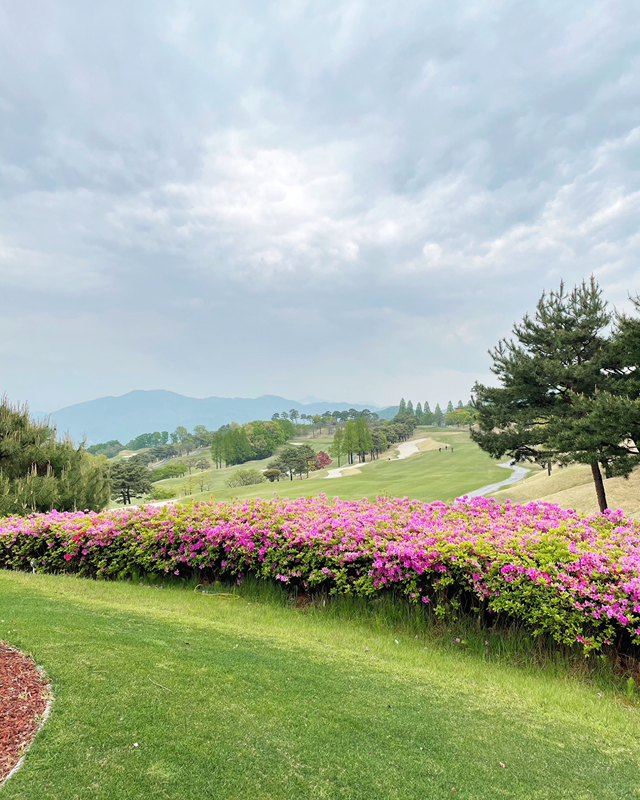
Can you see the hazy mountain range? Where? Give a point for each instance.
(139, 411)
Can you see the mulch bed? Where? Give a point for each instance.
(23, 699)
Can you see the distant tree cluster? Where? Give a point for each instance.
(39, 472)
(160, 444)
(460, 415)
(236, 444)
(109, 449)
(329, 419)
(300, 460)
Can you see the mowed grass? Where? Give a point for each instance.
(253, 699)
(426, 476)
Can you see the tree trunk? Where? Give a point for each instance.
(597, 479)
(548, 468)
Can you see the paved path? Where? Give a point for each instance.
(404, 449)
(518, 475)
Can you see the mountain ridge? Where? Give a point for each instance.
(125, 416)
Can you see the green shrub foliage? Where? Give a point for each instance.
(39, 472)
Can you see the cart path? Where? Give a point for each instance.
(518, 475)
(404, 449)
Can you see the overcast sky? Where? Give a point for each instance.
(351, 200)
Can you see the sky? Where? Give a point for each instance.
(348, 200)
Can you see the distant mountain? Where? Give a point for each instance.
(139, 411)
(387, 413)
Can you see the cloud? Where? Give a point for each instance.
(305, 197)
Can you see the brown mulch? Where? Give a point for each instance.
(23, 699)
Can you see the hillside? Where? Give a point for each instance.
(428, 475)
(572, 487)
(140, 411)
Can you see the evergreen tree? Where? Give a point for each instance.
(460, 404)
(450, 406)
(402, 410)
(427, 414)
(335, 449)
(289, 461)
(410, 408)
(438, 416)
(548, 407)
(39, 472)
(306, 457)
(217, 449)
(130, 478)
(419, 412)
(236, 447)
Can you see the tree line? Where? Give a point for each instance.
(459, 415)
(162, 444)
(236, 444)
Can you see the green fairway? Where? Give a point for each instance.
(427, 476)
(253, 699)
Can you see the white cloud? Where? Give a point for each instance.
(371, 190)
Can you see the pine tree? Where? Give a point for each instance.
(130, 479)
(39, 472)
(547, 409)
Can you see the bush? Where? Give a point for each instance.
(167, 471)
(245, 477)
(160, 493)
(573, 578)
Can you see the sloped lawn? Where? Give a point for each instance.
(254, 699)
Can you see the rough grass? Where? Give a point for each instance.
(572, 487)
(251, 698)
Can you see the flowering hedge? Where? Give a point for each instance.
(572, 577)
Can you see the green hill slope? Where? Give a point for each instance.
(426, 476)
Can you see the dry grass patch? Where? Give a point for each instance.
(430, 444)
(572, 487)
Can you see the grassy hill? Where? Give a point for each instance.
(428, 475)
(572, 487)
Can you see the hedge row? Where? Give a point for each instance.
(574, 578)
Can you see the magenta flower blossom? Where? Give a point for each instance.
(575, 578)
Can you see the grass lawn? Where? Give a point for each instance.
(425, 476)
(253, 699)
